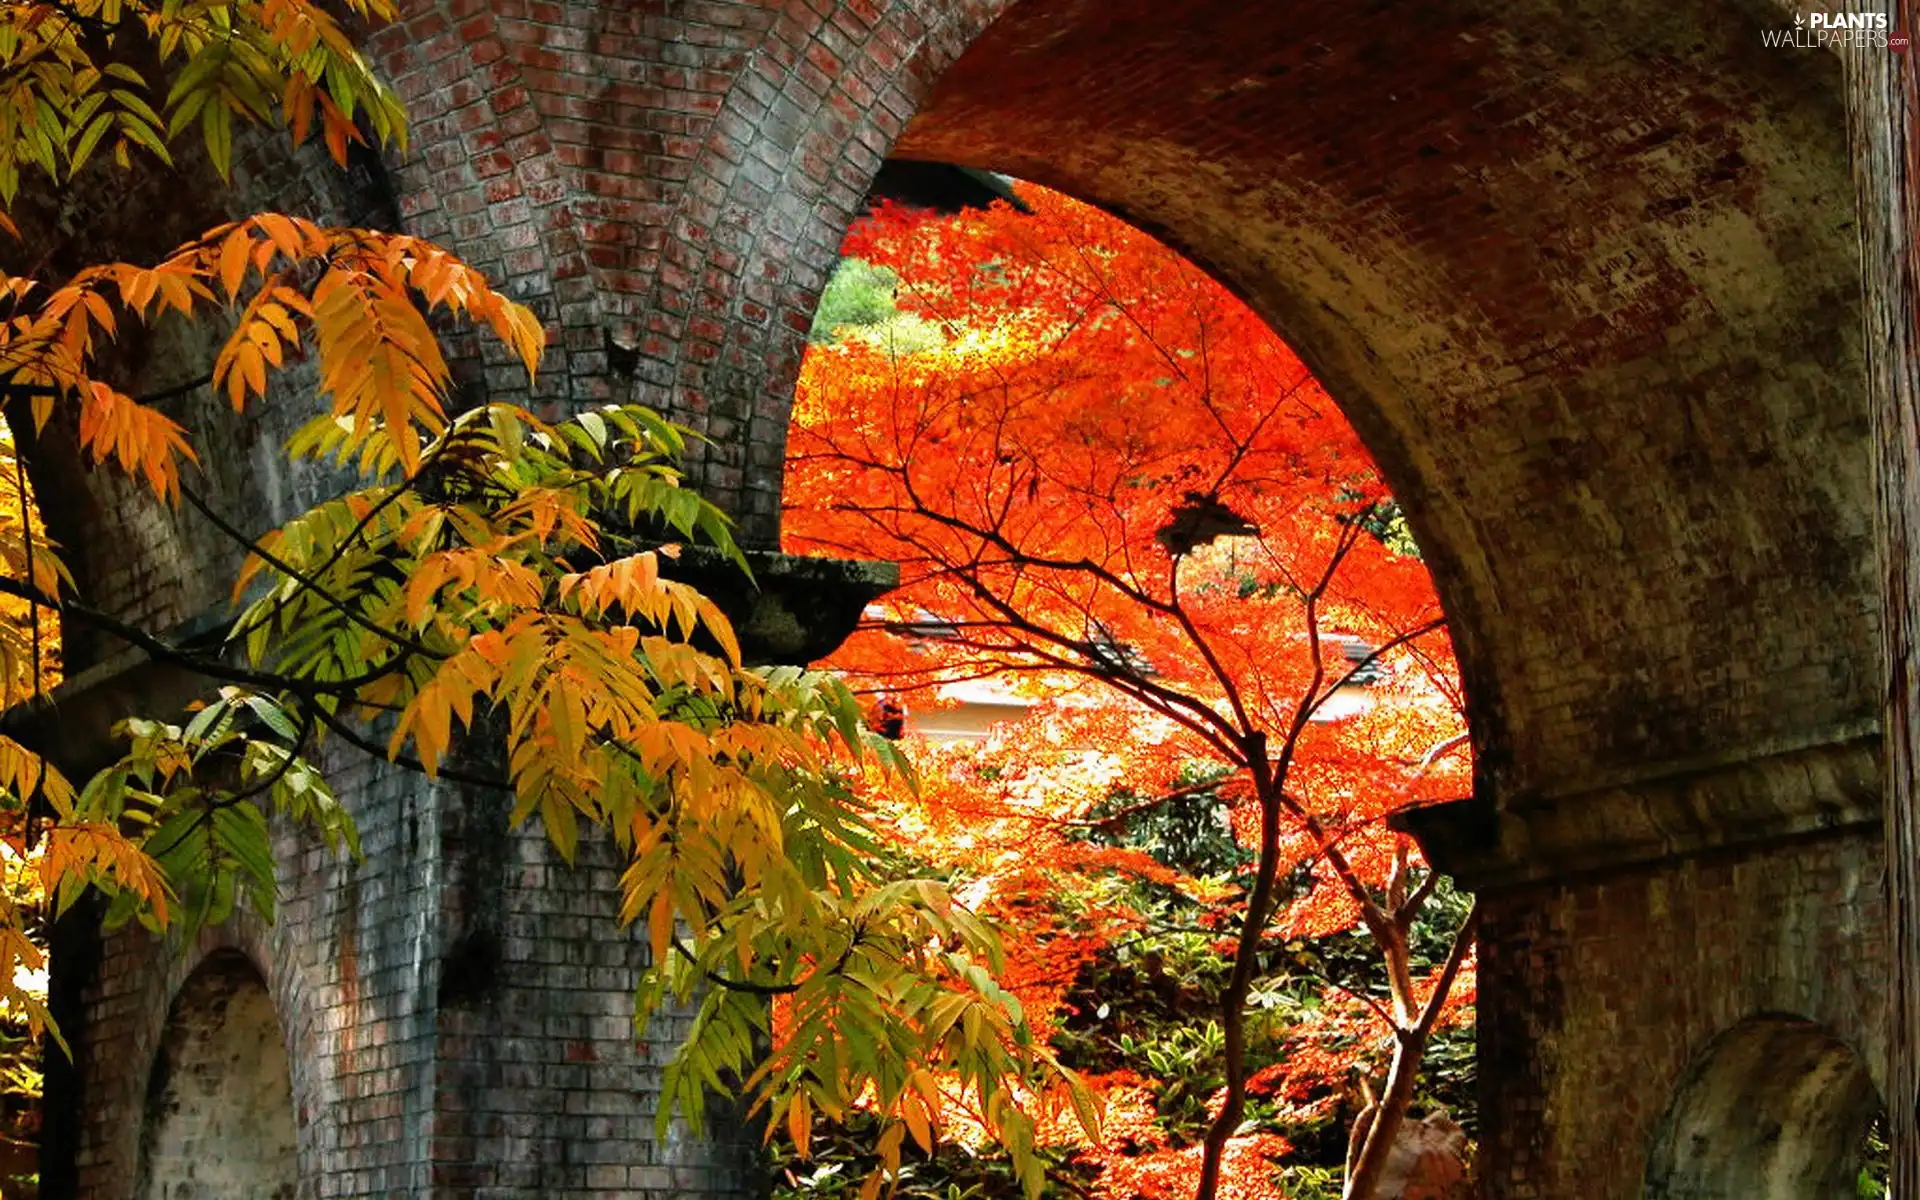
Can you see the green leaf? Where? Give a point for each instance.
(273, 717)
(84, 148)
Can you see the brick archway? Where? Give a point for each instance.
(1776, 1108)
(219, 1111)
(1587, 278)
(1588, 282)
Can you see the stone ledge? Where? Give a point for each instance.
(796, 608)
(1825, 788)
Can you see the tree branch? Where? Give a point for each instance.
(373, 749)
(306, 581)
(767, 989)
(174, 392)
(164, 650)
(1393, 643)
(1410, 1047)
(1463, 942)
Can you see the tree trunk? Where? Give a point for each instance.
(1882, 115)
(1363, 1178)
(1233, 1002)
(1409, 1051)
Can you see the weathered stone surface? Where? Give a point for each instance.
(792, 609)
(219, 1115)
(459, 1012)
(1428, 1162)
(1884, 139)
(1771, 1108)
(1637, 213)
(1600, 994)
(1700, 807)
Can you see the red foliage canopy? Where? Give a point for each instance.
(1107, 480)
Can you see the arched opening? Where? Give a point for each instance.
(1577, 280)
(1139, 483)
(1587, 285)
(1777, 1108)
(219, 1116)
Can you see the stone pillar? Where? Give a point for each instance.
(1625, 929)
(1883, 124)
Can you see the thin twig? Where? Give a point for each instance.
(306, 581)
(372, 749)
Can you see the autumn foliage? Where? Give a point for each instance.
(1100, 474)
(492, 598)
(1109, 485)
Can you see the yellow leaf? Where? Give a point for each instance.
(660, 925)
(800, 1125)
(916, 1117)
(928, 1088)
(233, 261)
(889, 1147)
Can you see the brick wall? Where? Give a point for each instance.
(544, 1085)
(343, 962)
(138, 559)
(457, 1008)
(666, 185)
(1599, 995)
(1591, 294)
(349, 964)
(1586, 280)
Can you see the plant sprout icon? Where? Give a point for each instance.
(1798, 20)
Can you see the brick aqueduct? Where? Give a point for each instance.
(1588, 277)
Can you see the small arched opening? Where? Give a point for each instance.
(1777, 1108)
(219, 1115)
